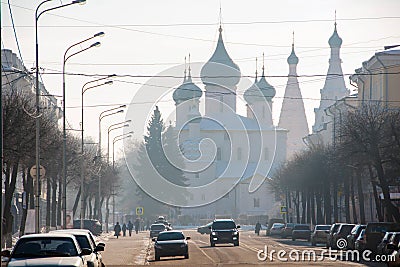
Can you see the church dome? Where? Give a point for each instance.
(293, 59)
(186, 91)
(335, 40)
(220, 68)
(259, 91)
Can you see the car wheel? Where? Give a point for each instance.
(186, 256)
(212, 244)
(236, 244)
(157, 257)
(102, 265)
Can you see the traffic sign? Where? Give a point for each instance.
(284, 209)
(139, 210)
(42, 171)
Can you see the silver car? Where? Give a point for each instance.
(47, 250)
(86, 240)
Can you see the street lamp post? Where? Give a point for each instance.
(82, 144)
(64, 171)
(37, 104)
(100, 118)
(112, 128)
(116, 139)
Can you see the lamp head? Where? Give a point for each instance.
(126, 125)
(99, 34)
(112, 75)
(120, 111)
(96, 44)
(109, 82)
(122, 106)
(128, 121)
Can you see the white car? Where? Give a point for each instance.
(47, 250)
(276, 228)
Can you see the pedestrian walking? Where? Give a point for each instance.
(124, 229)
(130, 227)
(117, 230)
(258, 228)
(137, 225)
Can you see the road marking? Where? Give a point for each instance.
(203, 242)
(205, 254)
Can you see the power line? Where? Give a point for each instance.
(15, 32)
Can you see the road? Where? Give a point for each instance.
(138, 251)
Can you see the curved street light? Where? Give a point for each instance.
(100, 118)
(64, 172)
(82, 140)
(37, 119)
(112, 128)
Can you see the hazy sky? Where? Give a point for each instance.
(148, 37)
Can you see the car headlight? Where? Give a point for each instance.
(214, 233)
(235, 233)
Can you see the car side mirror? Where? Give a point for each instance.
(209, 227)
(6, 253)
(99, 248)
(238, 226)
(154, 239)
(86, 251)
(188, 237)
(101, 244)
(391, 246)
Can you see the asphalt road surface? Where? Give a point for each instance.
(138, 250)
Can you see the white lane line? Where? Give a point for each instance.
(203, 242)
(205, 254)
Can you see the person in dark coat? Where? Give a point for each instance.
(137, 225)
(117, 230)
(258, 228)
(130, 227)
(124, 229)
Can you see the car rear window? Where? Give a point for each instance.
(323, 227)
(346, 229)
(223, 225)
(157, 227)
(83, 241)
(301, 227)
(170, 236)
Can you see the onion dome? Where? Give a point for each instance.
(259, 91)
(335, 40)
(293, 59)
(187, 90)
(220, 68)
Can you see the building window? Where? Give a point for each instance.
(239, 153)
(219, 153)
(196, 175)
(256, 202)
(266, 156)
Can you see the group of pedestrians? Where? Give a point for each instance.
(118, 229)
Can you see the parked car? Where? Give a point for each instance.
(205, 229)
(271, 222)
(224, 231)
(276, 229)
(395, 256)
(287, 230)
(171, 243)
(360, 242)
(374, 233)
(156, 229)
(394, 240)
(355, 232)
(381, 248)
(331, 232)
(83, 236)
(342, 233)
(319, 234)
(301, 231)
(47, 250)
(91, 224)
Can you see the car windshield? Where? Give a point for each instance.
(322, 227)
(158, 227)
(301, 227)
(44, 247)
(346, 229)
(278, 225)
(83, 241)
(223, 225)
(170, 236)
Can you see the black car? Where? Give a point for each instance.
(90, 224)
(352, 237)
(171, 243)
(157, 228)
(224, 231)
